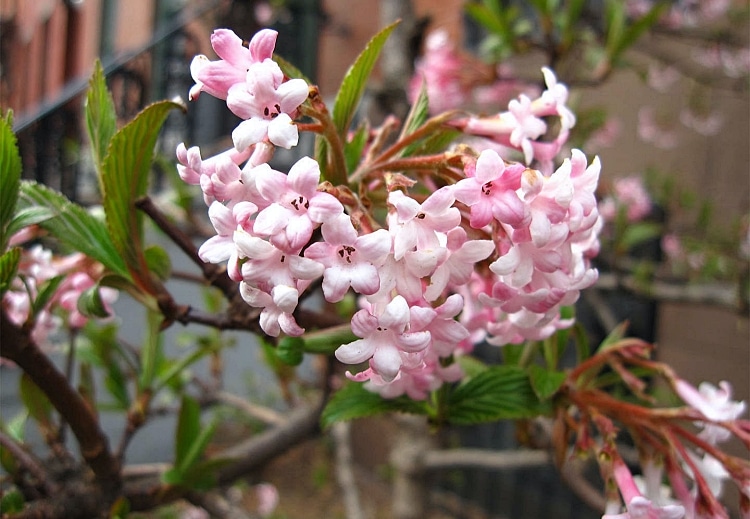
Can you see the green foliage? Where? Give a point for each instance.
(73, 226)
(10, 176)
(8, 268)
(354, 147)
(101, 119)
(36, 403)
(90, 303)
(102, 349)
(191, 440)
(354, 401)
(355, 80)
(11, 502)
(500, 392)
(124, 177)
(290, 350)
(545, 382)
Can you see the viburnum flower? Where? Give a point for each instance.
(714, 403)
(350, 260)
(196, 171)
(414, 225)
(385, 337)
(216, 77)
(226, 221)
(638, 506)
(296, 207)
(491, 192)
(266, 101)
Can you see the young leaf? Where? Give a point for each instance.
(101, 119)
(8, 268)
(354, 401)
(188, 428)
(10, 176)
(353, 148)
(289, 70)
(73, 226)
(355, 80)
(27, 216)
(500, 392)
(36, 402)
(544, 382)
(639, 233)
(290, 350)
(45, 293)
(125, 172)
(418, 113)
(90, 303)
(158, 261)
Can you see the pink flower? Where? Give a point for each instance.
(296, 206)
(638, 507)
(715, 404)
(217, 77)
(226, 221)
(267, 102)
(415, 225)
(350, 260)
(491, 192)
(385, 337)
(439, 71)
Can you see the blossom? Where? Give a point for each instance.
(415, 225)
(296, 207)
(491, 192)
(217, 77)
(638, 506)
(439, 72)
(266, 101)
(714, 403)
(350, 260)
(385, 337)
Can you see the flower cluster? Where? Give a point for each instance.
(493, 254)
(39, 268)
(629, 195)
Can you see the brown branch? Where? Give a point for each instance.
(18, 347)
(29, 463)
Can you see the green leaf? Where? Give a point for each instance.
(614, 337)
(36, 402)
(90, 303)
(640, 26)
(45, 292)
(125, 172)
(73, 226)
(290, 350)
(354, 401)
(353, 148)
(158, 261)
(197, 447)
(638, 233)
(355, 80)
(10, 176)
(11, 502)
(289, 70)
(27, 216)
(152, 352)
(417, 114)
(500, 392)
(8, 268)
(101, 118)
(188, 428)
(326, 341)
(544, 382)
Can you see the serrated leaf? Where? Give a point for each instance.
(125, 172)
(355, 80)
(73, 226)
(27, 216)
(101, 118)
(10, 176)
(500, 392)
(544, 382)
(354, 401)
(8, 268)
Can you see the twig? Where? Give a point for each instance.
(28, 462)
(217, 505)
(601, 309)
(572, 474)
(264, 414)
(484, 458)
(18, 347)
(344, 473)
